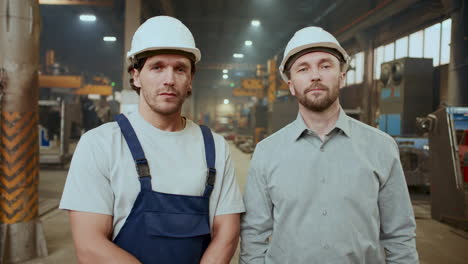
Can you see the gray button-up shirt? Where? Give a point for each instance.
(341, 200)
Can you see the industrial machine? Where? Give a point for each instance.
(53, 136)
(448, 144)
(406, 94)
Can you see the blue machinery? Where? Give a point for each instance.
(407, 94)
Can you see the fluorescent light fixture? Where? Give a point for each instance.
(225, 76)
(248, 43)
(109, 39)
(238, 55)
(255, 23)
(88, 18)
(225, 71)
(226, 101)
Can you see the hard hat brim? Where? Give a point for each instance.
(307, 46)
(196, 52)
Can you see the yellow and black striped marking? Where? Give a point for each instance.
(19, 167)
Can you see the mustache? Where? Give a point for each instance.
(314, 86)
(168, 90)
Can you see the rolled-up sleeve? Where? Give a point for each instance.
(257, 222)
(398, 227)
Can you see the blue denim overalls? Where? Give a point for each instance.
(166, 228)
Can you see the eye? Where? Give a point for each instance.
(181, 69)
(156, 67)
(303, 69)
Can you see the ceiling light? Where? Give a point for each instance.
(248, 43)
(225, 76)
(225, 71)
(238, 55)
(255, 23)
(110, 39)
(88, 18)
(226, 101)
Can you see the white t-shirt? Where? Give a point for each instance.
(103, 179)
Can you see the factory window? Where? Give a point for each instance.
(355, 74)
(389, 53)
(432, 43)
(378, 59)
(445, 41)
(359, 57)
(416, 44)
(401, 48)
(350, 77)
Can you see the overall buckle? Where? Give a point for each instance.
(211, 176)
(142, 168)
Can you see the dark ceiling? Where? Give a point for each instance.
(220, 28)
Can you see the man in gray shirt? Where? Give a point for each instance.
(326, 188)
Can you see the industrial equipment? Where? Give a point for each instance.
(448, 144)
(407, 94)
(54, 132)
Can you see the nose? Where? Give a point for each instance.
(315, 75)
(169, 79)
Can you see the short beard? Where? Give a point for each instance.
(166, 112)
(318, 105)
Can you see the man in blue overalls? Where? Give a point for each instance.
(154, 187)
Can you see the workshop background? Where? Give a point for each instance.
(63, 72)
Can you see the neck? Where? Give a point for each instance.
(172, 122)
(321, 122)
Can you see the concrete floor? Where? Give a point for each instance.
(436, 242)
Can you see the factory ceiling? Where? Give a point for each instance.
(221, 27)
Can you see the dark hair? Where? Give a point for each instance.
(139, 62)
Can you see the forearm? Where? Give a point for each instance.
(398, 226)
(226, 229)
(254, 243)
(102, 250)
(220, 250)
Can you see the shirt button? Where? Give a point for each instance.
(322, 180)
(324, 212)
(322, 149)
(326, 247)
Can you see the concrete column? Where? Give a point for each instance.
(21, 233)
(458, 68)
(368, 99)
(132, 22)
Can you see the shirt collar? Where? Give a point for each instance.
(299, 126)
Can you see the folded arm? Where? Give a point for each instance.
(224, 240)
(92, 235)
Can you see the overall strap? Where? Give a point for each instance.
(134, 145)
(210, 155)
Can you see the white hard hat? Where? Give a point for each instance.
(310, 37)
(163, 33)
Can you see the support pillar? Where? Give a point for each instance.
(458, 69)
(368, 103)
(132, 22)
(21, 233)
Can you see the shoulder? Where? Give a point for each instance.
(101, 134)
(371, 135)
(220, 143)
(277, 140)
